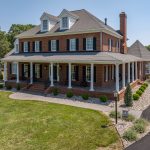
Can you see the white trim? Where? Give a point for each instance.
(31, 73)
(52, 42)
(92, 78)
(91, 39)
(70, 47)
(16, 46)
(37, 46)
(17, 72)
(52, 79)
(69, 77)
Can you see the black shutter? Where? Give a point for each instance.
(68, 44)
(33, 46)
(28, 46)
(40, 46)
(94, 43)
(77, 44)
(40, 71)
(94, 73)
(67, 69)
(111, 44)
(77, 73)
(57, 42)
(28, 71)
(22, 70)
(49, 45)
(10, 70)
(84, 73)
(84, 44)
(22, 46)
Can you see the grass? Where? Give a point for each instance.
(44, 126)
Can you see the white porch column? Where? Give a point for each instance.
(132, 71)
(117, 77)
(5, 71)
(92, 78)
(69, 77)
(31, 73)
(136, 72)
(129, 73)
(49, 72)
(140, 69)
(123, 76)
(52, 79)
(17, 72)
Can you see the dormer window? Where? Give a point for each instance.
(65, 22)
(45, 25)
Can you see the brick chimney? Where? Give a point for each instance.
(123, 30)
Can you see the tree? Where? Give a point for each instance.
(4, 44)
(128, 96)
(16, 29)
(148, 47)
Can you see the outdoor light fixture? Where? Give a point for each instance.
(116, 99)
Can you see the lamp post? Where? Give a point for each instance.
(116, 99)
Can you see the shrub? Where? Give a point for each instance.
(141, 121)
(55, 91)
(139, 92)
(130, 118)
(85, 96)
(1, 85)
(139, 127)
(130, 135)
(18, 87)
(142, 89)
(1, 76)
(113, 114)
(143, 86)
(146, 84)
(103, 99)
(128, 96)
(8, 87)
(136, 97)
(69, 94)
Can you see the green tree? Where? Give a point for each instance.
(16, 29)
(148, 47)
(128, 96)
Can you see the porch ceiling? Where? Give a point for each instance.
(73, 57)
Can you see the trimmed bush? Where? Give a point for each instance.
(128, 99)
(139, 92)
(18, 87)
(136, 97)
(130, 135)
(142, 89)
(1, 76)
(113, 114)
(69, 94)
(8, 87)
(130, 118)
(1, 85)
(103, 99)
(139, 127)
(85, 96)
(146, 84)
(55, 91)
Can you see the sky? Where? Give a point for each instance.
(29, 12)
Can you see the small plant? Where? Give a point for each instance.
(141, 121)
(1, 76)
(8, 87)
(139, 92)
(136, 97)
(139, 127)
(103, 99)
(69, 94)
(18, 87)
(1, 85)
(128, 99)
(129, 118)
(130, 135)
(55, 91)
(85, 96)
(142, 89)
(113, 114)
(146, 84)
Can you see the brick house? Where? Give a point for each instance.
(73, 51)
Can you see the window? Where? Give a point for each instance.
(105, 73)
(147, 68)
(109, 44)
(45, 25)
(17, 48)
(65, 22)
(89, 43)
(72, 44)
(117, 46)
(25, 46)
(26, 71)
(37, 46)
(53, 45)
(37, 71)
(73, 73)
(88, 73)
(14, 68)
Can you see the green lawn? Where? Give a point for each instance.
(28, 125)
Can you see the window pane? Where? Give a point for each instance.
(73, 44)
(89, 43)
(73, 72)
(65, 22)
(26, 70)
(37, 46)
(45, 24)
(14, 68)
(25, 46)
(37, 71)
(53, 45)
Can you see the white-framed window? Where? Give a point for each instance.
(88, 73)
(17, 48)
(147, 68)
(73, 72)
(26, 70)
(65, 22)
(14, 68)
(89, 43)
(45, 25)
(109, 44)
(37, 46)
(117, 46)
(25, 46)
(72, 44)
(106, 73)
(53, 45)
(37, 71)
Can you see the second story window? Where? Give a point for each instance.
(89, 43)
(53, 45)
(37, 46)
(45, 25)
(25, 47)
(72, 44)
(109, 44)
(65, 22)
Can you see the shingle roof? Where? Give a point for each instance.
(95, 57)
(139, 50)
(86, 22)
(52, 17)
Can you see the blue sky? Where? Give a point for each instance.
(29, 11)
